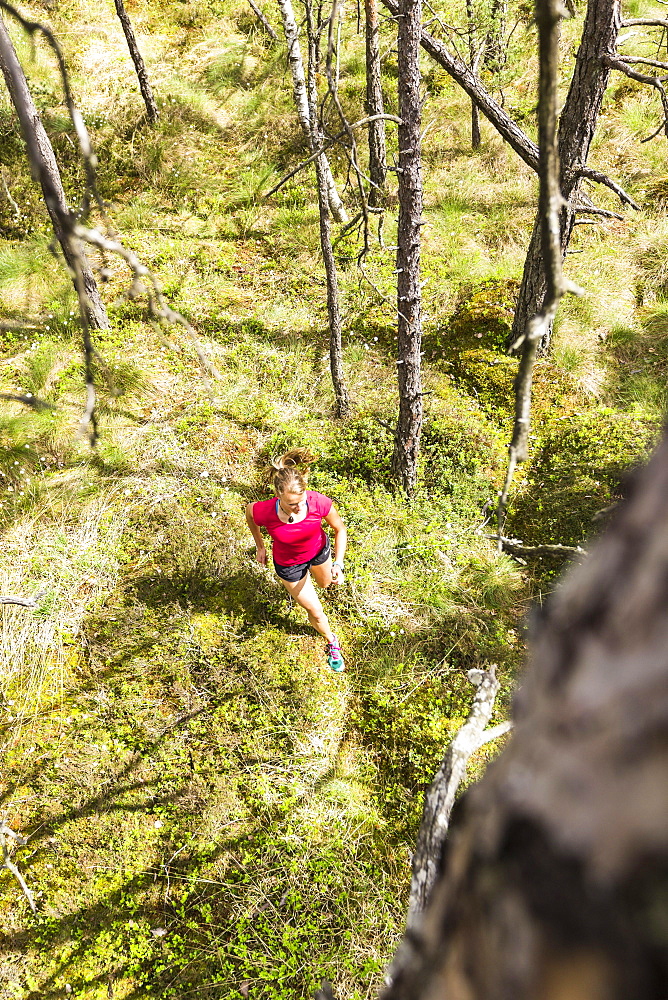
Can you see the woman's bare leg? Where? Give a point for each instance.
(322, 574)
(303, 592)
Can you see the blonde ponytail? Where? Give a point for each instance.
(288, 473)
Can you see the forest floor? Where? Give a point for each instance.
(208, 809)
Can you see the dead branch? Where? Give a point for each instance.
(650, 22)
(440, 797)
(595, 175)
(331, 142)
(8, 841)
(265, 23)
(633, 60)
(516, 547)
(618, 63)
(34, 402)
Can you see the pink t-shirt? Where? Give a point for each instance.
(294, 543)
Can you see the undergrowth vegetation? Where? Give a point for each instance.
(209, 810)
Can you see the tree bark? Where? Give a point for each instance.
(474, 59)
(409, 172)
(145, 87)
(469, 82)
(374, 105)
(302, 104)
(44, 168)
(576, 131)
(553, 879)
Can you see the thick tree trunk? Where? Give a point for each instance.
(576, 131)
(145, 87)
(302, 104)
(409, 326)
(553, 878)
(374, 105)
(44, 168)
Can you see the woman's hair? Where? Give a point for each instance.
(289, 472)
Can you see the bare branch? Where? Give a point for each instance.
(34, 402)
(515, 546)
(8, 838)
(331, 142)
(633, 60)
(599, 178)
(265, 23)
(652, 81)
(650, 22)
(440, 797)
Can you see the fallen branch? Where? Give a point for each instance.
(440, 797)
(515, 545)
(8, 841)
(34, 402)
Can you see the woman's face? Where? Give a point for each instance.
(295, 503)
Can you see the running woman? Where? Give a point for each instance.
(301, 550)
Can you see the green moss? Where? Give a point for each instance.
(578, 470)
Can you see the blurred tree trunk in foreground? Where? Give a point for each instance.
(553, 883)
(576, 131)
(140, 67)
(44, 169)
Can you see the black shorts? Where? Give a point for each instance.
(293, 574)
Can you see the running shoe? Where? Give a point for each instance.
(334, 657)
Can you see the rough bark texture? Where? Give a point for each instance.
(576, 131)
(469, 82)
(555, 873)
(145, 87)
(374, 104)
(302, 104)
(440, 796)
(44, 168)
(409, 326)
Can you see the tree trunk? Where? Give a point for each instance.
(493, 50)
(409, 327)
(144, 85)
(576, 131)
(302, 104)
(342, 408)
(553, 879)
(374, 105)
(469, 82)
(44, 168)
(474, 59)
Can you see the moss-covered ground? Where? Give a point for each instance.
(209, 811)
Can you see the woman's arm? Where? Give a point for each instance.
(261, 552)
(333, 519)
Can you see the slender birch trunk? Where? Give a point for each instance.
(145, 87)
(342, 408)
(409, 327)
(302, 104)
(44, 168)
(374, 105)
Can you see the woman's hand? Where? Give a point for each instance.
(337, 573)
(261, 555)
